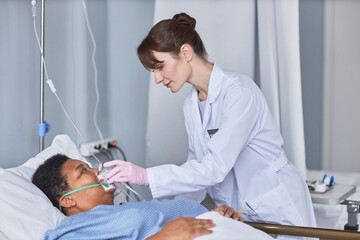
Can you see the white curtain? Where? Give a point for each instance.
(256, 38)
(280, 78)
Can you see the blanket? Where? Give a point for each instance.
(126, 221)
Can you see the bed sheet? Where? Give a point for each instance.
(230, 229)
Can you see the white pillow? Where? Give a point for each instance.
(25, 211)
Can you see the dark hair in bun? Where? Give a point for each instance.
(185, 20)
(168, 36)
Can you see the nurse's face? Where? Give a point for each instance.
(79, 174)
(173, 72)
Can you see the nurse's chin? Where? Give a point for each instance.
(177, 86)
(174, 89)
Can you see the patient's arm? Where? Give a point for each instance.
(183, 229)
(228, 212)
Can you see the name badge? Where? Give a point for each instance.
(211, 132)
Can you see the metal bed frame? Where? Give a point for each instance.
(322, 233)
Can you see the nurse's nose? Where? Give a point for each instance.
(158, 77)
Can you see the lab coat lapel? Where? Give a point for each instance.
(213, 92)
(200, 128)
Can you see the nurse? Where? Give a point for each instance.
(235, 147)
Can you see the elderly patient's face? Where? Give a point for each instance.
(79, 174)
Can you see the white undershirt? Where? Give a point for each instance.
(201, 108)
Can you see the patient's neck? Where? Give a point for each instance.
(72, 211)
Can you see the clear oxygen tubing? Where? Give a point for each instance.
(95, 72)
(138, 196)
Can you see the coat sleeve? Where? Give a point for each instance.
(240, 110)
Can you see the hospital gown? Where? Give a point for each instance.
(127, 221)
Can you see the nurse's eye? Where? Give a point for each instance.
(84, 170)
(158, 67)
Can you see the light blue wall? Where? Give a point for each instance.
(118, 28)
(311, 53)
(19, 91)
(128, 22)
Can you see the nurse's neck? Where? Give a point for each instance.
(200, 77)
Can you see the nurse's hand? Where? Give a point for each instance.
(229, 212)
(126, 172)
(183, 228)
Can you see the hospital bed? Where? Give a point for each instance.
(322, 233)
(26, 213)
(331, 216)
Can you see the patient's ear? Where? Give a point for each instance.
(67, 202)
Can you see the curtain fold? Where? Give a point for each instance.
(280, 77)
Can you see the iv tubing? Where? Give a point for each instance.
(95, 72)
(51, 85)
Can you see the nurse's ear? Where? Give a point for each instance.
(186, 52)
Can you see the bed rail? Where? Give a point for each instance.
(306, 231)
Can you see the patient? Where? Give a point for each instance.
(92, 213)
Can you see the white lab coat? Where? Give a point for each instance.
(243, 164)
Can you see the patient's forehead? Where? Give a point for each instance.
(72, 166)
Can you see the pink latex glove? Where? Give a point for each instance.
(126, 172)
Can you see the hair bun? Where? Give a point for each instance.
(185, 20)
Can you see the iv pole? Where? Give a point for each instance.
(42, 37)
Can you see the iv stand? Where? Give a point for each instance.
(42, 26)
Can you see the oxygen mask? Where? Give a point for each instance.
(103, 171)
(120, 187)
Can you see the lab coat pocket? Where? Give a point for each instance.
(275, 206)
